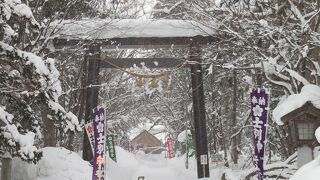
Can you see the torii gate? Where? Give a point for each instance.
(150, 34)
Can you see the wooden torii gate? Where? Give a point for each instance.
(95, 62)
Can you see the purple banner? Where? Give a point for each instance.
(99, 144)
(259, 113)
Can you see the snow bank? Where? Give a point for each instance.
(60, 163)
(309, 92)
(56, 164)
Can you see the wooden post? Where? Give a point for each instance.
(92, 92)
(199, 110)
(6, 166)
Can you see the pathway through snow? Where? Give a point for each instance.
(155, 167)
(151, 173)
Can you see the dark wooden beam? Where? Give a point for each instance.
(149, 62)
(137, 42)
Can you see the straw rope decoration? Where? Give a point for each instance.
(154, 77)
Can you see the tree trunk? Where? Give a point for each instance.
(49, 129)
(234, 144)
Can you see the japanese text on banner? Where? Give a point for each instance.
(259, 114)
(99, 144)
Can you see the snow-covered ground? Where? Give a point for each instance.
(62, 164)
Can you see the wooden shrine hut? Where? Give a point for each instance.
(145, 140)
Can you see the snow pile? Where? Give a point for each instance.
(56, 163)
(309, 92)
(62, 164)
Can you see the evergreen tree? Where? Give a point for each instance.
(29, 84)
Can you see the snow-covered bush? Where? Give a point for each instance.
(29, 84)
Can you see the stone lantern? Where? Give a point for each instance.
(302, 123)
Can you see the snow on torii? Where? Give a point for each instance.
(126, 28)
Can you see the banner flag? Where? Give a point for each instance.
(111, 147)
(99, 122)
(259, 114)
(89, 130)
(170, 145)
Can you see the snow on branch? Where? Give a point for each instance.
(280, 170)
(5, 116)
(168, 11)
(48, 78)
(296, 11)
(22, 10)
(71, 121)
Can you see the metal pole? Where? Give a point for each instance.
(6, 166)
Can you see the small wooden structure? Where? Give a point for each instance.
(302, 124)
(147, 142)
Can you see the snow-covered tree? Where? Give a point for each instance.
(29, 84)
(277, 39)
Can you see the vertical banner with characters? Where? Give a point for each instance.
(99, 120)
(259, 113)
(170, 146)
(89, 130)
(111, 147)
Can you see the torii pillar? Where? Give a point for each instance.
(199, 112)
(92, 58)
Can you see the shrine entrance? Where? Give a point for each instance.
(174, 33)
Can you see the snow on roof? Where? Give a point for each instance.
(158, 131)
(309, 92)
(124, 28)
